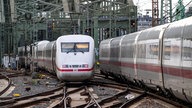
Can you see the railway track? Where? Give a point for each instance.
(32, 99)
(5, 80)
(97, 93)
(5, 83)
(82, 95)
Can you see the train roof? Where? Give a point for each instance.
(41, 42)
(78, 37)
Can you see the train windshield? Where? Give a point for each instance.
(75, 47)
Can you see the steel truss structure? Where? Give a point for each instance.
(24, 22)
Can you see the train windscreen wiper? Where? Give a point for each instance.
(72, 50)
(81, 51)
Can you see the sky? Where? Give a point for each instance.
(147, 4)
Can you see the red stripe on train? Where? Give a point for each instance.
(78, 70)
(65, 70)
(149, 67)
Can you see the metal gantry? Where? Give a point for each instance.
(1, 30)
(7, 37)
(166, 11)
(24, 22)
(155, 13)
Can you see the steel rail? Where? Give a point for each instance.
(22, 101)
(65, 101)
(9, 83)
(92, 98)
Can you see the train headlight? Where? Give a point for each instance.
(85, 66)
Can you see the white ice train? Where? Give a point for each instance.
(71, 57)
(159, 56)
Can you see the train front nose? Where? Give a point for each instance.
(75, 72)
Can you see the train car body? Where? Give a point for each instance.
(159, 56)
(38, 53)
(75, 57)
(105, 55)
(70, 57)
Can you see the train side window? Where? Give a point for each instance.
(187, 54)
(48, 53)
(167, 50)
(187, 43)
(129, 49)
(39, 53)
(104, 52)
(152, 50)
(141, 51)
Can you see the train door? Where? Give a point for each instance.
(161, 79)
